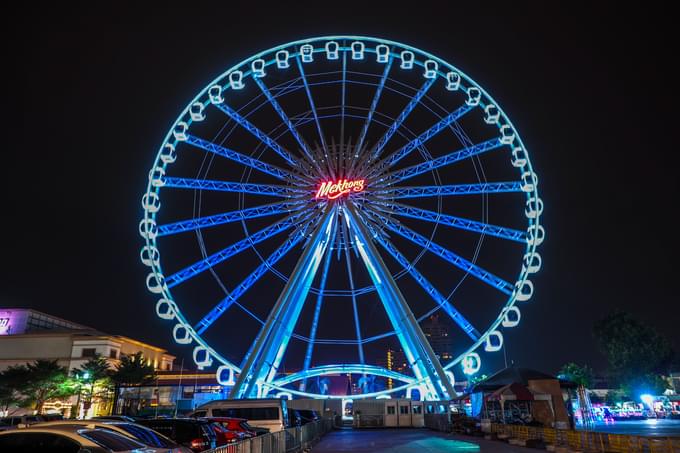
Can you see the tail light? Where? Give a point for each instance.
(198, 444)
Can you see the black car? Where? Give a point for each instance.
(194, 433)
(308, 415)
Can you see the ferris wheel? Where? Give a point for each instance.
(317, 203)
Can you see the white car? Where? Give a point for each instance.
(140, 433)
(70, 439)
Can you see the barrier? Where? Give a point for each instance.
(287, 441)
(590, 441)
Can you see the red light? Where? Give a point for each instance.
(332, 190)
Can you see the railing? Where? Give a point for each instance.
(287, 441)
(590, 441)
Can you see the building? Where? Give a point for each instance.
(28, 335)
(438, 335)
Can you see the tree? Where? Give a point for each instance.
(46, 380)
(95, 374)
(12, 382)
(132, 371)
(637, 354)
(581, 375)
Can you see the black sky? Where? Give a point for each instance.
(591, 90)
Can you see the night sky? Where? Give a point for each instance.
(590, 90)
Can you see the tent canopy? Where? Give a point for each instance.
(514, 391)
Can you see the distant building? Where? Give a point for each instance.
(28, 335)
(438, 335)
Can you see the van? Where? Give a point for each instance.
(264, 413)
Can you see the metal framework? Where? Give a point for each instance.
(332, 207)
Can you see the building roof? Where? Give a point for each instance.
(513, 374)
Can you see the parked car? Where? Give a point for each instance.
(196, 434)
(140, 433)
(70, 439)
(223, 436)
(120, 418)
(267, 413)
(294, 418)
(236, 424)
(22, 420)
(308, 415)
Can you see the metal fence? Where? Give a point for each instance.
(287, 441)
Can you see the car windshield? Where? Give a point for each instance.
(109, 439)
(146, 435)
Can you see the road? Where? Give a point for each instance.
(406, 441)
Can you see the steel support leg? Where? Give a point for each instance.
(417, 349)
(272, 341)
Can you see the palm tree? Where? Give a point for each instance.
(132, 371)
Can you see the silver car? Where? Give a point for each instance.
(70, 439)
(140, 433)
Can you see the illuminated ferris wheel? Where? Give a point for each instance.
(316, 203)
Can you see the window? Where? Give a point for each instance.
(89, 352)
(113, 354)
(391, 410)
(199, 413)
(42, 442)
(418, 409)
(109, 439)
(403, 410)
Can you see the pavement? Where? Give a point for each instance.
(407, 440)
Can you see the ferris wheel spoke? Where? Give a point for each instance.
(400, 119)
(228, 217)
(257, 133)
(241, 158)
(249, 281)
(317, 312)
(455, 156)
(456, 222)
(420, 140)
(216, 258)
(316, 117)
(236, 187)
(448, 255)
(294, 132)
(448, 190)
(362, 136)
(439, 299)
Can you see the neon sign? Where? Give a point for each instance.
(331, 190)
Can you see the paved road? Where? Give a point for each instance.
(406, 441)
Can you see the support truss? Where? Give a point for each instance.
(451, 257)
(249, 281)
(456, 222)
(240, 158)
(455, 189)
(216, 258)
(229, 217)
(270, 345)
(238, 187)
(416, 348)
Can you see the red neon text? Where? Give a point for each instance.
(332, 190)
